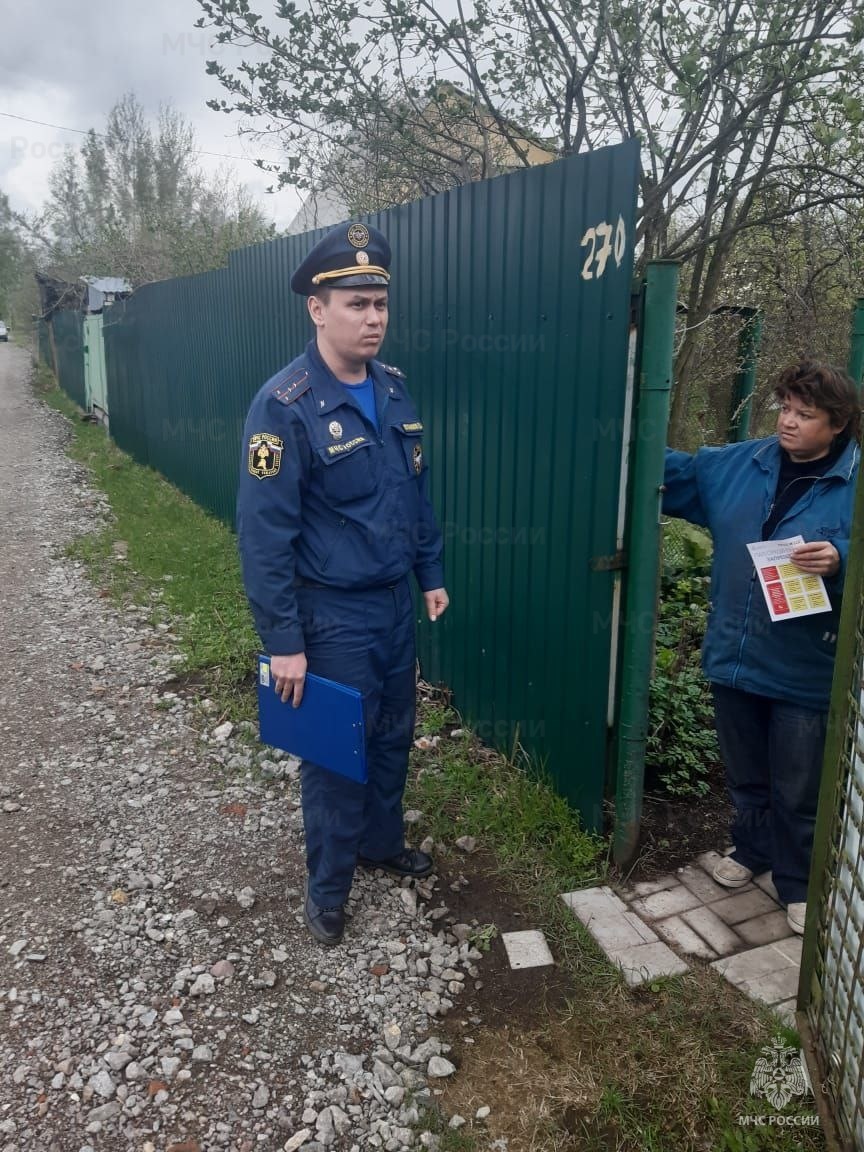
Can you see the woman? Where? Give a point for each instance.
(771, 681)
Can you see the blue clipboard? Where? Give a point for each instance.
(327, 729)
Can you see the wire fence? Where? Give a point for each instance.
(832, 974)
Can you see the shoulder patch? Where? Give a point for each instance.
(287, 390)
(265, 454)
(397, 372)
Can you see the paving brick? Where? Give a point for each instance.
(744, 906)
(786, 1012)
(765, 929)
(791, 948)
(756, 962)
(527, 949)
(773, 987)
(649, 887)
(608, 919)
(697, 881)
(714, 931)
(675, 932)
(766, 883)
(647, 962)
(668, 903)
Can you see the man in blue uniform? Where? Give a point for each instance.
(333, 515)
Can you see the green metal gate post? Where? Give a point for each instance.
(652, 420)
(856, 344)
(745, 378)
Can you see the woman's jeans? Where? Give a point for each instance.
(772, 751)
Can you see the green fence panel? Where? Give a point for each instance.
(509, 316)
(69, 342)
(43, 338)
(95, 385)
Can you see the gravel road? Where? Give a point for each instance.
(158, 991)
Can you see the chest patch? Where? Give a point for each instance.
(348, 446)
(418, 459)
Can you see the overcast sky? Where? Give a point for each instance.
(67, 64)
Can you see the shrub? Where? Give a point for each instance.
(682, 744)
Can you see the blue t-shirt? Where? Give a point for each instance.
(364, 394)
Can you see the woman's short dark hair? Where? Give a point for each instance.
(822, 386)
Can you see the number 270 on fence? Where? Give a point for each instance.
(601, 245)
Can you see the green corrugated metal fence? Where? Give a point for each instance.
(69, 343)
(43, 342)
(509, 316)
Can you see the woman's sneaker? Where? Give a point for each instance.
(731, 874)
(796, 914)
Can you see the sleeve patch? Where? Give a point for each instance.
(265, 455)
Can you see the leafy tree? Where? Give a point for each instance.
(16, 266)
(749, 112)
(133, 202)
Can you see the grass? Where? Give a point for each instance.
(506, 802)
(163, 551)
(664, 1068)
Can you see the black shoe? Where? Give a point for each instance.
(327, 925)
(409, 862)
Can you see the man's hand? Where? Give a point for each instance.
(436, 602)
(289, 676)
(819, 558)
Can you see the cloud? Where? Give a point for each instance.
(67, 64)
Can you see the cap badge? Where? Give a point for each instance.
(335, 429)
(362, 257)
(358, 235)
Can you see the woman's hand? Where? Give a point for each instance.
(819, 559)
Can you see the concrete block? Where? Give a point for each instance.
(766, 883)
(668, 903)
(773, 987)
(697, 881)
(786, 1011)
(608, 919)
(645, 962)
(743, 906)
(649, 887)
(526, 949)
(756, 962)
(716, 934)
(791, 948)
(682, 937)
(765, 929)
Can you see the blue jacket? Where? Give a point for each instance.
(730, 491)
(325, 497)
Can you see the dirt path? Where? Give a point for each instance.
(156, 985)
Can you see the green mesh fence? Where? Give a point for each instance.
(832, 975)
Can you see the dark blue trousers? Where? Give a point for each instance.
(772, 751)
(364, 639)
